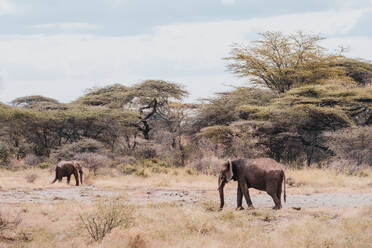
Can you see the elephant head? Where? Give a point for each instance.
(226, 174)
(80, 170)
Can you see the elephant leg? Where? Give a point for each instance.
(76, 178)
(272, 191)
(68, 179)
(245, 191)
(279, 193)
(239, 199)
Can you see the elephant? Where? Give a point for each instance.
(263, 174)
(66, 169)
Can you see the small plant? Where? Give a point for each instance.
(44, 165)
(30, 178)
(141, 173)
(93, 161)
(210, 206)
(7, 224)
(107, 216)
(31, 160)
(4, 153)
(127, 169)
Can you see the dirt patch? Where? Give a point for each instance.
(142, 196)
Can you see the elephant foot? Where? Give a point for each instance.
(276, 207)
(250, 207)
(239, 208)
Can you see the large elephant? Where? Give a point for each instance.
(66, 169)
(262, 174)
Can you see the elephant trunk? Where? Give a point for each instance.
(81, 177)
(221, 184)
(55, 179)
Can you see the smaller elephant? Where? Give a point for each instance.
(262, 174)
(66, 169)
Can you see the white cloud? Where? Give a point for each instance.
(6, 7)
(62, 66)
(228, 2)
(68, 26)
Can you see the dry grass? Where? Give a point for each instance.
(177, 225)
(325, 178)
(304, 180)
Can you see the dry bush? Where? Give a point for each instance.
(5, 154)
(93, 161)
(8, 224)
(15, 164)
(206, 165)
(31, 177)
(31, 160)
(69, 151)
(145, 151)
(107, 216)
(125, 160)
(348, 168)
(352, 144)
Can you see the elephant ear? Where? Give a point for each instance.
(229, 171)
(77, 165)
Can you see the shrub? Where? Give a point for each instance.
(127, 169)
(141, 173)
(44, 165)
(145, 152)
(31, 160)
(107, 216)
(155, 162)
(69, 151)
(352, 144)
(7, 224)
(207, 165)
(30, 178)
(4, 153)
(93, 161)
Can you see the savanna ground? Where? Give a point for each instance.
(180, 209)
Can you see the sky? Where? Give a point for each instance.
(60, 48)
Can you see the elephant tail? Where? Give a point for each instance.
(285, 194)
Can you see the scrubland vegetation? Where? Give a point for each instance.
(304, 107)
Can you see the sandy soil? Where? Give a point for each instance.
(141, 196)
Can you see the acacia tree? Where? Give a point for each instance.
(149, 99)
(281, 62)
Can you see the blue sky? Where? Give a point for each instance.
(60, 48)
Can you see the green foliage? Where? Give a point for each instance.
(141, 173)
(224, 108)
(113, 96)
(360, 71)
(155, 162)
(146, 91)
(4, 153)
(127, 169)
(154, 165)
(38, 103)
(217, 134)
(44, 165)
(281, 62)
